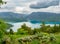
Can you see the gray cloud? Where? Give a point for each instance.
(40, 5)
(44, 4)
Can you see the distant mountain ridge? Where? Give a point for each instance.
(43, 16)
(34, 16)
(10, 16)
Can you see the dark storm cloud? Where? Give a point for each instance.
(45, 4)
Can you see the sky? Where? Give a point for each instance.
(29, 6)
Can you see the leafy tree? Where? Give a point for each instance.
(36, 30)
(11, 31)
(25, 27)
(43, 27)
(55, 28)
(59, 28)
(2, 2)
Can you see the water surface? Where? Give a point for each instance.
(30, 24)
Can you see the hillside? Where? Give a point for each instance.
(34, 16)
(10, 16)
(43, 16)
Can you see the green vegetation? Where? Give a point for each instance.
(2, 2)
(3, 29)
(26, 35)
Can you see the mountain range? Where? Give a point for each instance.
(34, 16)
(13, 17)
(44, 16)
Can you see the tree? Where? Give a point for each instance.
(43, 27)
(2, 2)
(11, 31)
(24, 26)
(55, 28)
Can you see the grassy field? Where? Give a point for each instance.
(37, 40)
(57, 38)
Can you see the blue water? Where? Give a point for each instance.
(34, 22)
(52, 22)
(17, 25)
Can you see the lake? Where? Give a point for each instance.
(30, 24)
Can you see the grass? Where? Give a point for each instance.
(57, 38)
(19, 36)
(35, 41)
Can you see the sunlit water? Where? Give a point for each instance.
(29, 24)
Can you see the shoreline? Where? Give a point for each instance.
(29, 24)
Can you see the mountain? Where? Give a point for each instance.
(43, 16)
(34, 16)
(10, 16)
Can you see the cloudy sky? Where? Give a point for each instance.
(28, 6)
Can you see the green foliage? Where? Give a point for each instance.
(11, 31)
(49, 29)
(2, 2)
(3, 30)
(40, 35)
(21, 31)
(3, 26)
(1, 34)
(25, 30)
(25, 27)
